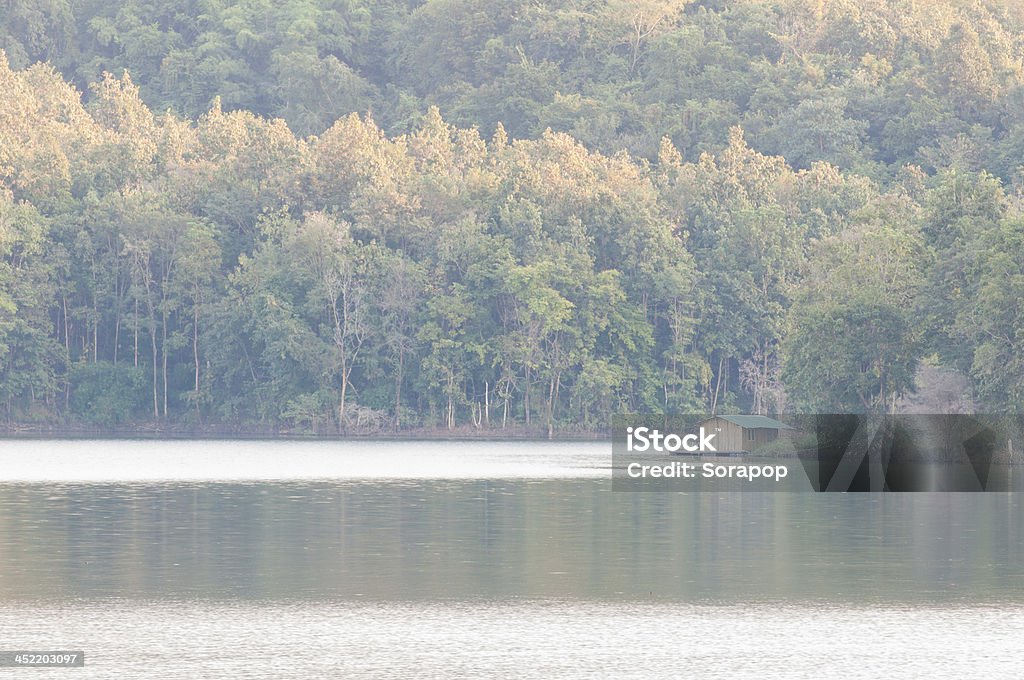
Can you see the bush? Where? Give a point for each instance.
(785, 446)
(103, 393)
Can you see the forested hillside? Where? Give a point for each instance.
(341, 215)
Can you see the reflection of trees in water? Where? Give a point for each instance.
(496, 539)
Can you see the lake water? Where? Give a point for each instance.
(327, 559)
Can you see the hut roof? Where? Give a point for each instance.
(754, 422)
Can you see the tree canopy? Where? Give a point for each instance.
(335, 215)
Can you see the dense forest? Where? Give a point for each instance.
(344, 215)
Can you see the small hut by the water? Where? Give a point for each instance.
(737, 434)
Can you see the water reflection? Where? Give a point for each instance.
(499, 539)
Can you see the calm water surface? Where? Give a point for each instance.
(416, 559)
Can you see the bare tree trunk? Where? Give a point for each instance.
(451, 405)
(551, 404)
(152, 340)
(67, 351)
(195, 342)
(344, 389)
(526, 396)
(156, 378)
(398, 389)
(163, 351)
(718, 384)
(67, 332)
(119, 297)
(552, 395)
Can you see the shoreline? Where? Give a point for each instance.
(172, 432)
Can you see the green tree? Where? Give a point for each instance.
(853, 342)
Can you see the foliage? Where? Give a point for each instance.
(107, 394)
(337, 215)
